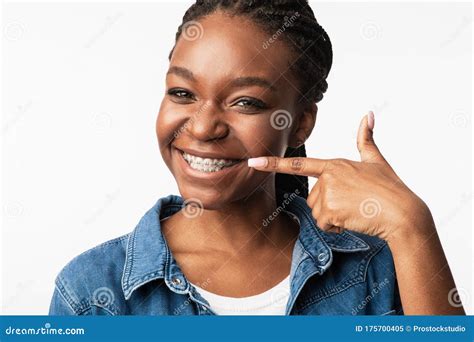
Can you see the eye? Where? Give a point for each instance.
(181, 95)
(251, 104)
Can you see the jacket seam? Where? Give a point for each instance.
(106, 243)
(380, 246)
(65, 297)
(103, 308)
(113, 241)
(84, 311)
(389, 312)
(352, 247)
(317, 271)
(128, 262)
(81, 307)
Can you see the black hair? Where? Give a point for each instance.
(294, 20)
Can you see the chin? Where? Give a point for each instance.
(209, 198)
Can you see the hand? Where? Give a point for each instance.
(366, 196)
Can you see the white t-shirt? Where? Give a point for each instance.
(270, 302)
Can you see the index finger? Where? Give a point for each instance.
(301, 166)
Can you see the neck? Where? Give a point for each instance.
(239, 226)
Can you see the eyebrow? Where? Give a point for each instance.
(237, 82)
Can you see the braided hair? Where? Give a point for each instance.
(294, 20)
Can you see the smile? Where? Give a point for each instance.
(208, 164)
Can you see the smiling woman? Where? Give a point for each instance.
(232, 105)
(246, 236)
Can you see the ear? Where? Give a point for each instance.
(304, 125)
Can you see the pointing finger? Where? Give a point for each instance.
(297, 166)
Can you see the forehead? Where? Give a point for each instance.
(225, 46)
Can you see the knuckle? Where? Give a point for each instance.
(323, 222)
(273, 163)
(297, 164)
(326, 178)
(323, 177)
(315, 212)
(331, 206)
(338, 160)
(343, 166)
(342, 162)
(365, 142)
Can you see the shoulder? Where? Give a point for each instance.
(93, 278)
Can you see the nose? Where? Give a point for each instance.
(207, 123)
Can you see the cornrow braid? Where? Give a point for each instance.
(295, 22)
(285, 183)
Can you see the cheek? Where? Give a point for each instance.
(261, 139)
(167, 125)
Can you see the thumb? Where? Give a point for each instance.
(369, 152)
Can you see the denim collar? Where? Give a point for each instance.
(148, 256)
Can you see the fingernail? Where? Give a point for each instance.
(257, 162)
(371, 120)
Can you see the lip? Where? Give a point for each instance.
(205, 175)
(211, 155)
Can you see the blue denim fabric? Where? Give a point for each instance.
(135, 274)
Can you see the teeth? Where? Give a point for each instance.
(207, 164)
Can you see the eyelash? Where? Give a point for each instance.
(253, 103)
(175, 91)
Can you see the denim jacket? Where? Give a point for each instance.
(344, 273)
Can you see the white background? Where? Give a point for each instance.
(82, 84)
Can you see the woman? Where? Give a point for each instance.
(245, 237)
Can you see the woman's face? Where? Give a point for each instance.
(222, 87)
